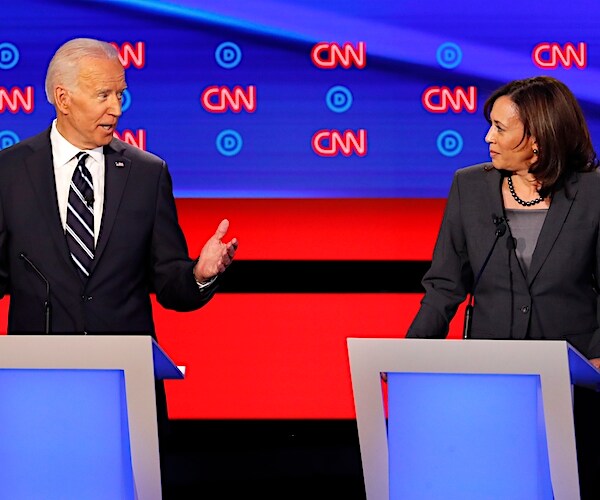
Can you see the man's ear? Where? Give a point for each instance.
(62, 99)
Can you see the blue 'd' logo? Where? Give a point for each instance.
(339, 99)
(228, 55)
(125, 101)
(9, 55)
(229, 142)
(450, 143)
(8, 138)
(449, 55)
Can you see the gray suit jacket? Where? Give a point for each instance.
(557, 299)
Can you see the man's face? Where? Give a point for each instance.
(87, 115)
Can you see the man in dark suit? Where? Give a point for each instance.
(134, 243)
(88, 223)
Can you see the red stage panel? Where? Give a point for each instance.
(269, 356)
(356, 229)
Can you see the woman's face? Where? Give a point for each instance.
(508, 149)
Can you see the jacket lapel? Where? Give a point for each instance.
(116, 172)
(555, 219)
(494, 191)
(40, 170)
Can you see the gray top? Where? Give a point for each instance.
(525, 227)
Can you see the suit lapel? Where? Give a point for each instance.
(493, 180)
(555, 219)
(40, 170)
(116, 172)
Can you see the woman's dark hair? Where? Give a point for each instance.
(551, 114)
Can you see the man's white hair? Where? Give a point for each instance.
(64, 66)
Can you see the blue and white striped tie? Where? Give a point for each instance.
(80, 217)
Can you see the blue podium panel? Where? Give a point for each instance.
(467, 436)
(64, 435)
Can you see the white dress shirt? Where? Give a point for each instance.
(63, 158)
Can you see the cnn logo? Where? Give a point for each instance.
(16, 99)
(131, 54)
(217, 99)
(328, 143)
(548, 55)
(437, 99)
(327, 55)
(137, 138)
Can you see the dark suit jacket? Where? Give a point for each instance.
(557, 299)
(140, 248)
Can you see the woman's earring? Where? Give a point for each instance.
(536, 151)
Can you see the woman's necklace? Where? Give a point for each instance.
(519, 200)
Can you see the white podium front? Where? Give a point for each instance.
(525, 387)
(78, 416)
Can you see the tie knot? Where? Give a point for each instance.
(82, 156)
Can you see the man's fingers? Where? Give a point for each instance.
(232, 247)
(222, 229)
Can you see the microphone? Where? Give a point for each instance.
(500, 223)
(47, 304)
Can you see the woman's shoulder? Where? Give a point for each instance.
(476, 174)
(587, 185)
(592, 176)
(476, 170)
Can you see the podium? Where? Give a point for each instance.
(78, 416)
(468, 419)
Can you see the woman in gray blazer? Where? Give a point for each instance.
(520, 236)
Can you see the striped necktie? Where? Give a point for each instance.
(80, 217)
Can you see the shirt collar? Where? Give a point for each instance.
(63, 151)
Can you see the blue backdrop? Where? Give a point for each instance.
(179, 49)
